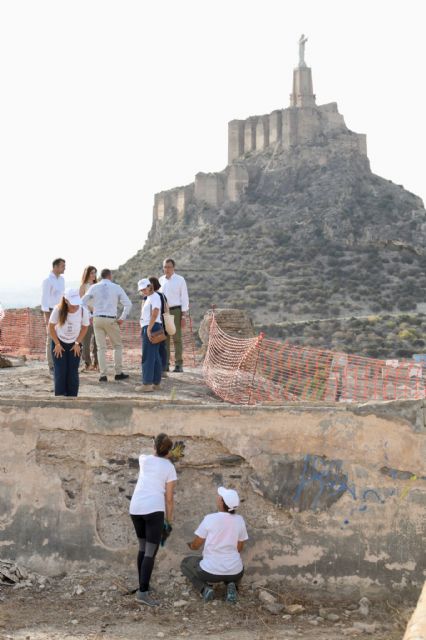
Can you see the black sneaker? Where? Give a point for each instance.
(178, 369)
(103, 379)
(121, 376)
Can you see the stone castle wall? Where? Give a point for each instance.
(303, 123)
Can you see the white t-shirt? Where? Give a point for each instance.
(152, 302)
(68, 332)
(154, 474)
(222, 531)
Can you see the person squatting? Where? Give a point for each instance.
(222, 534)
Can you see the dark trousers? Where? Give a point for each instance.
(190, 567)
(163, 355)
(66, 371)
(151, 363)
(149, 528)
(177, 338)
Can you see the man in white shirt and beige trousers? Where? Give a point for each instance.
(53, 288)
(104, 296)
(174, 288)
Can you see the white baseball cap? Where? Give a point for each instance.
(142, 284)
(230, 497)
(72, 296)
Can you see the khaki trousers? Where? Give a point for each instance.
(49, 350)
(177, 338)
(104, 327)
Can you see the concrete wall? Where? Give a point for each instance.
(237, 181)
(275, 126)
(333, 497)
(210, 188)
(235, 139)
(262, 133)
(250, 134)
(172, 202)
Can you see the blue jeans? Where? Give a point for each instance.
(66, 371)
(151, 363)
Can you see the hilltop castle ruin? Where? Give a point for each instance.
(303, 123)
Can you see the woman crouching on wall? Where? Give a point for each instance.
(151, 507)
(68, 325)
(223, 535)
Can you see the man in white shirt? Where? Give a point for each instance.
(52, 290)
(104, 297)
(174, 288)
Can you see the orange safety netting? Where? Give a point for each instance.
(248, 371)
(23, 332)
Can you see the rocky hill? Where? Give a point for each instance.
(295, 227)
(316, 234)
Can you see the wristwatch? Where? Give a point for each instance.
(80, 344)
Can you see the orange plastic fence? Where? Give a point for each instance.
(23, 332)
(250, 371)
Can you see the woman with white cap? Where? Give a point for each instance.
(68, 325)
(223, 535)
(150, 322)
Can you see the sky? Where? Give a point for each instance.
(104, 103)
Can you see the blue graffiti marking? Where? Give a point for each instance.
(374, 493)
(324, 472)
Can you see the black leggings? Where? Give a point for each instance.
(149, 528)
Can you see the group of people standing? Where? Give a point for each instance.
(222, 534)
(78, 321)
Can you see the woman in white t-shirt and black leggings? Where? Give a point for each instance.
(151, 507)
(68, 324)
(223, 535)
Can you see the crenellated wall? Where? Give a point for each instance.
(303, 123)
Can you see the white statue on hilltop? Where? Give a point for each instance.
(302, 42)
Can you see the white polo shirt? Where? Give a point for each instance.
(52, 291)
(175, 290)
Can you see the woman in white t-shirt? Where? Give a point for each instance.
(223, 535)
(151, 510)
(150, 322)
(68, 325)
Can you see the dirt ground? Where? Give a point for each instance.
(32, 378)
(95, 606)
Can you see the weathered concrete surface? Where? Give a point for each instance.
(333, 496)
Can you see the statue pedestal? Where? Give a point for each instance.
(303, 92)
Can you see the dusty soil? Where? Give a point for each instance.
(91, 606)
(32, 378)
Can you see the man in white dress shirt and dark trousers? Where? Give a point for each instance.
(174, 288)
(52, 290)
(104, 297)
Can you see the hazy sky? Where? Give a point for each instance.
(105, 103)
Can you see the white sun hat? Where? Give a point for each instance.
(230, 497)
(72, 296)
